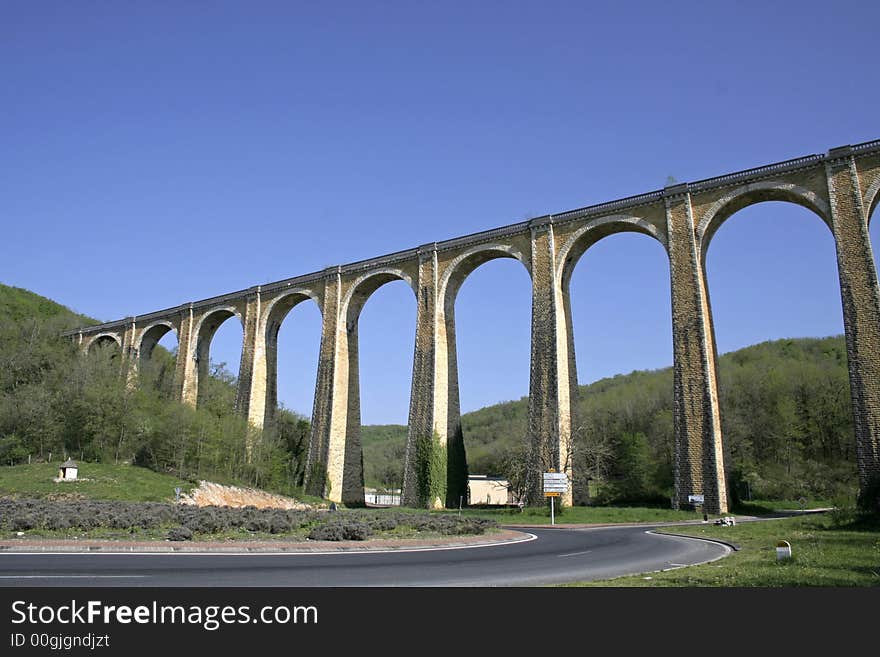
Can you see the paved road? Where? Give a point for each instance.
(553, 556)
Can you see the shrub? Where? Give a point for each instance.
(57, 522)
(328, 532)
(23, 522)
(356, 531)
(279, 524)
(179, 534)
(257, 524)
(122, 521)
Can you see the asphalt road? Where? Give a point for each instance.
(553, 556)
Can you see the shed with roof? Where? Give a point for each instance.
(67, 471)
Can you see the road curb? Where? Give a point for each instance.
(732, 546)
(506, 537)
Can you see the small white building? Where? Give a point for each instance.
(383, 497)
(67, 471)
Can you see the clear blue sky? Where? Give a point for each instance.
(164, 152)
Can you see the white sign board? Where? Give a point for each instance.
(696, 499)
(555, 482)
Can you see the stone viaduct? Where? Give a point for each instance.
(841, 187)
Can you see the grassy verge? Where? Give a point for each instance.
(97, 481)
(768, 507)
(104, 481)
(579, 515)
(826, 551)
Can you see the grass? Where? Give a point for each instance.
(579, 515)
(97, 481)
(104, 481)
(825, 552)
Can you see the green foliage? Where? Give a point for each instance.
(318, 483)
(19, 305)
(786, 421)
(384, 448)
(180, 522)
(869, 497)
(55, 402)
(430, 468)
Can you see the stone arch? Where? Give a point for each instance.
(785, 288)
(872, 197)
(103, 339)
(593, 231)
(203, 333)
(364, 287)
(211, 320)
(273, 316)
(464, 265)
(742, 197)
(150, 337)
(279, 307)
(568, 256)
(446, 416)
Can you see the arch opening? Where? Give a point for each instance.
(487, 309)
(595, 231)
(106, 344)
(874, 234)
(218, 357)
(293, 342)
(783, 380)
(381, 330)
(872, 199)
(466, 263)
(157, 358)
(619, 324)
(758, 193)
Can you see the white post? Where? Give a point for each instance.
(552, 514)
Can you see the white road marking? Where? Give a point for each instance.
(69, 576)
(574, 554)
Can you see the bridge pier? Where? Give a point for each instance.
(335, 467)
(552, 377)
(250, 398)
(861, 309)
(698, 459)
(185, 368)
(435, 473)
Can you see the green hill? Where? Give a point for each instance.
(17, 304)
(786, 421)
(96, 481)
(52, 401)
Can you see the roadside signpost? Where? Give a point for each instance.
(555, 484)
(698, 501)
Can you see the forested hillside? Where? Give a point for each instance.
(53, 402)
(785, 412)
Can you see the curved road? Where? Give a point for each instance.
(553, 556)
